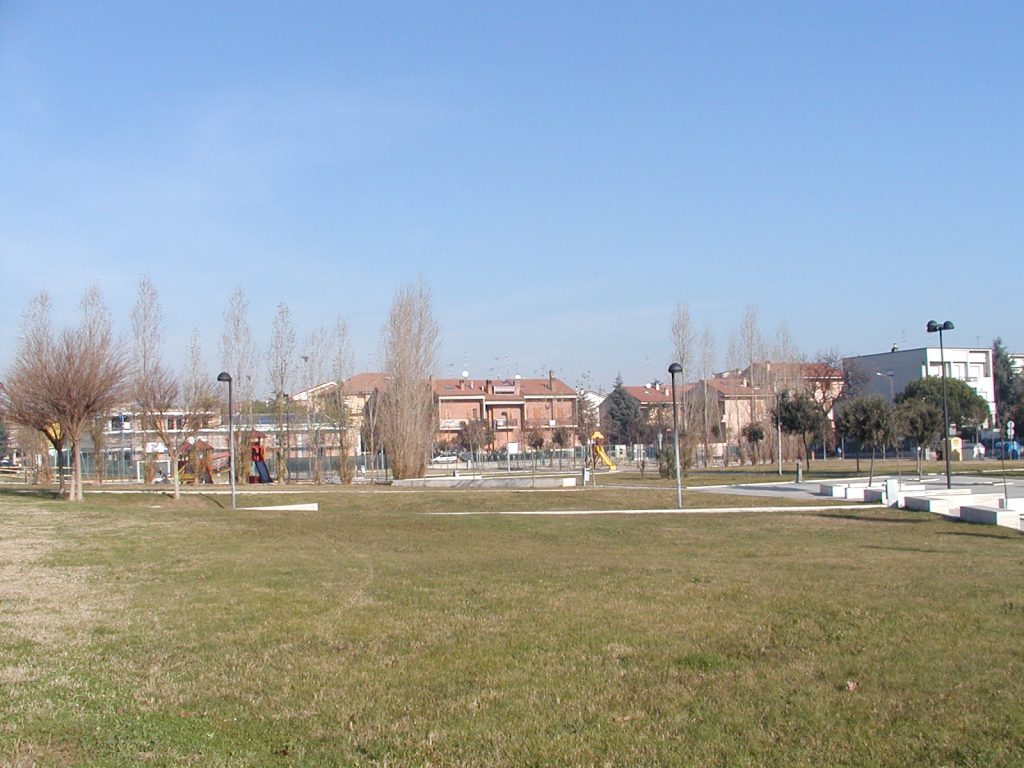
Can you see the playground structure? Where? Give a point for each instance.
(599, 453)
(258, 472)
(196, 462)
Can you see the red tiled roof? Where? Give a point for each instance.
(365, 383)
(651, 395)
(459, 388)
(476, 388)
(543, 387)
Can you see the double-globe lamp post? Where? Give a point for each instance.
(673, 370)
(225, 376)
(935, 327)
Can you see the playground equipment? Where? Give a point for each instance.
(195, 463)
(598, 440)
(259, 472)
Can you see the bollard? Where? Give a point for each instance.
(892, 492)
(799, 472)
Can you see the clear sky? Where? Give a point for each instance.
(560, 173)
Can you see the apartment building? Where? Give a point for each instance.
(888, 373)
(513, 408)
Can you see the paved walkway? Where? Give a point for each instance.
(700, 511)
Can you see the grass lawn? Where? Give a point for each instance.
(139, 631)
(822, 471)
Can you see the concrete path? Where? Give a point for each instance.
(700, 511)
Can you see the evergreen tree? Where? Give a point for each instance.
(800, 414)
(1009, 383)
(870, 421)
(967, 409)
(624, 416)
(921, 422)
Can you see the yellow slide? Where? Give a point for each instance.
(599, 449)
(598, 439)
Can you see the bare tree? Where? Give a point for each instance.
(588, 419)
(823, 377)
(315, 364)
(334, 403)
(179, 408)
(709, 408)
(783, 376)
(752, 346)
(25, 400)
(98, 436)
(200, 397)
(734, 362)
(280, 372)
(407, 412)
(682, 345)
(238, 357)
(87, 377)
(147, 340)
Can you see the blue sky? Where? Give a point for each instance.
(560, 173)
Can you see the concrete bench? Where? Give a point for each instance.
(985, 515)
(840, 490)
(940, 504)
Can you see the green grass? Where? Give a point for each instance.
(138, 631)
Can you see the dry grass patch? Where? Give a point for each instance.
(371, 633)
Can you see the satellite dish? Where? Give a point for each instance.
(465, 374)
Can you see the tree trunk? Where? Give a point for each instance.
(174, 471)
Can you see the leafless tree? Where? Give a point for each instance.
(334, 403)
(783, 349)
(709, 414)
(24, 395)
(87, 378)
(407, 411)
(238, 357)
(823, 378)
(682, 345)
(754, 360)
(783, 376)
(314, 367)
(179, 408)
(147, 340)
(98, 436)
(281, 362)
(734, 358)
(588, 419)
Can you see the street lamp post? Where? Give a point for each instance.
(121, 464)
(673, 370)
(778, 429)
(890, 375)
(225, 376)
(934, 327)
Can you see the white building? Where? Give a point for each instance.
(875, 374)
(1017, 361)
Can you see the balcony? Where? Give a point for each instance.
(452, 425)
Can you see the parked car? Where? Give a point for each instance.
(1010, 449)
(444, 458)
